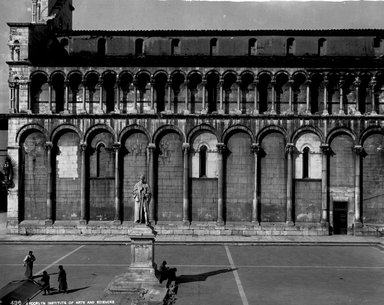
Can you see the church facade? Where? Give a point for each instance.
(246, 132)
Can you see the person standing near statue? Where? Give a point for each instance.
(142, 196)
(28, 264)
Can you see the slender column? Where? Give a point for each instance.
(12, 97)
(290, 84)
(17, 97)
(83, 184)
(238, 95)
(256, 149)
(273, 111)
(220, 183)
(34, 11)
(326, 150)
(307, 106)
(357, 84)
(186, 110)
(50, 96)
(29, 98)
(101, 106)
(256, 106)
(66, 97)
(221, 110)
(373, 84)
(118, 90)
(169, 84)
(325, 108)
(152, 83)
(186, 211)
(151, 180)
(49, 215)
(38, 12)
(290, 149)
(117, 220)
(84, 96)
(359, 153)
(203, 110)
(134, 110)
(341, 84)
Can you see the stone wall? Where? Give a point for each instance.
(307, 200)
(204, 199)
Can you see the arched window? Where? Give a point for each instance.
(322, 47)
(291, 46)
(101, 47)
(139, 47)
(306, 162)
(175, 47)
(203, 161)
(377, 45)
(16, 50)
(252, 47)
(213, 50)
(101, 158)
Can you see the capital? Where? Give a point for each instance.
(290, 148)
(48, 145)
(357, 82)
(256, 148)
(83, 146)
(221, 148)
(359, 151)
(151, 146)
(326, 149)
(116, 146)
(186, 147)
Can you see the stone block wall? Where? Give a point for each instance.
(307, 200)
(204, 199)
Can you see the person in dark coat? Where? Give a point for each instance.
(28, 264)
(62, 279)
(167, 273)
(45, 283)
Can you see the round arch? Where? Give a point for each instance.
(127, 130)
(61, 128)
(266, 130)
(306, 129)
(201, 128)
(35, 73)
(90, 73)
(97, 127)
(167, 128)
(369, 131)
(230, 72)
(56, 72)
(336, 131)
(236, 128)
(26, 129)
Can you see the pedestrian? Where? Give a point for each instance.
(45, 283)
(167, 273)
(28, 264)
(62, 279)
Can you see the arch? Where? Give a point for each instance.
(26, 129)
(175, 72)
(201, 128)
(73, 72)
(163, 129)
(142, 71)
(269, 73)
(124, 72)
(106, 72)
(35, 73)
(277, 73)
(229, 72)
(158, 72)
(245, 72)
(233, 129)
(86, 74)
(316, 74)
(368, 132)
(213, 71)
(127, 130)
(304, 129)
(59, 129)
(273, 128)
(56, 72)
(340, 130)
(97, 127)
(195, 72)
(296, 73)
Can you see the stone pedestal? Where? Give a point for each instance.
(140, 279)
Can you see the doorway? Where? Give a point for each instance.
(340, 217)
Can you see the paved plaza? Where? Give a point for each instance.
(222, 274)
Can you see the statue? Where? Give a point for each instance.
(142, 196)
(8, 174)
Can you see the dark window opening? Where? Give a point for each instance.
(252, 47)
(175, 47)
(322, 47)
(101, 47)
(306, 162)
(213, 50)
(203, 161)
(290, 46)
(139, 44)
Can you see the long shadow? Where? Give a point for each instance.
(200, 277)
(55, 291)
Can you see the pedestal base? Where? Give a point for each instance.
(134, 280)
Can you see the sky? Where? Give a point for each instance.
(196, 14)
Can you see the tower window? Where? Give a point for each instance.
(139, 47)
(306, 162)
(322, 47)
(213, 47)
(291, 46)
(203, 161)
(252, 47)
(175, 47)
(101, 47)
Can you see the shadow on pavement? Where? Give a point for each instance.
(55, 291)
(200, 277)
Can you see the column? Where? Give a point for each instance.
(341, 84)
(186, 110)
(273, 83)
(221, 110)
(290, 84)
(134, 110)
(220, 183)
(290, 149)
(203, 110)
(307, 106)
(34, 11)
(373, 84)
(117, 219)
(186, 212)
(66, 97)
(152, 83)
(117, 106)
(12, 97)
(83, 185)
(238, 96)
(101, 106)
(169, 84)
(49, 215)
(256, 149)
(256, 106)
(50, 97)
(357, 84)
(17, 97)
(84, 96)
(29, 98)
(326, 151)
(151, 180)
(13, 217)
(325, 107)
(359, 153)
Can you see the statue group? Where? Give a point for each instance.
(142, 196)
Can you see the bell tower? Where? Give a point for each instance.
(56, 13)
